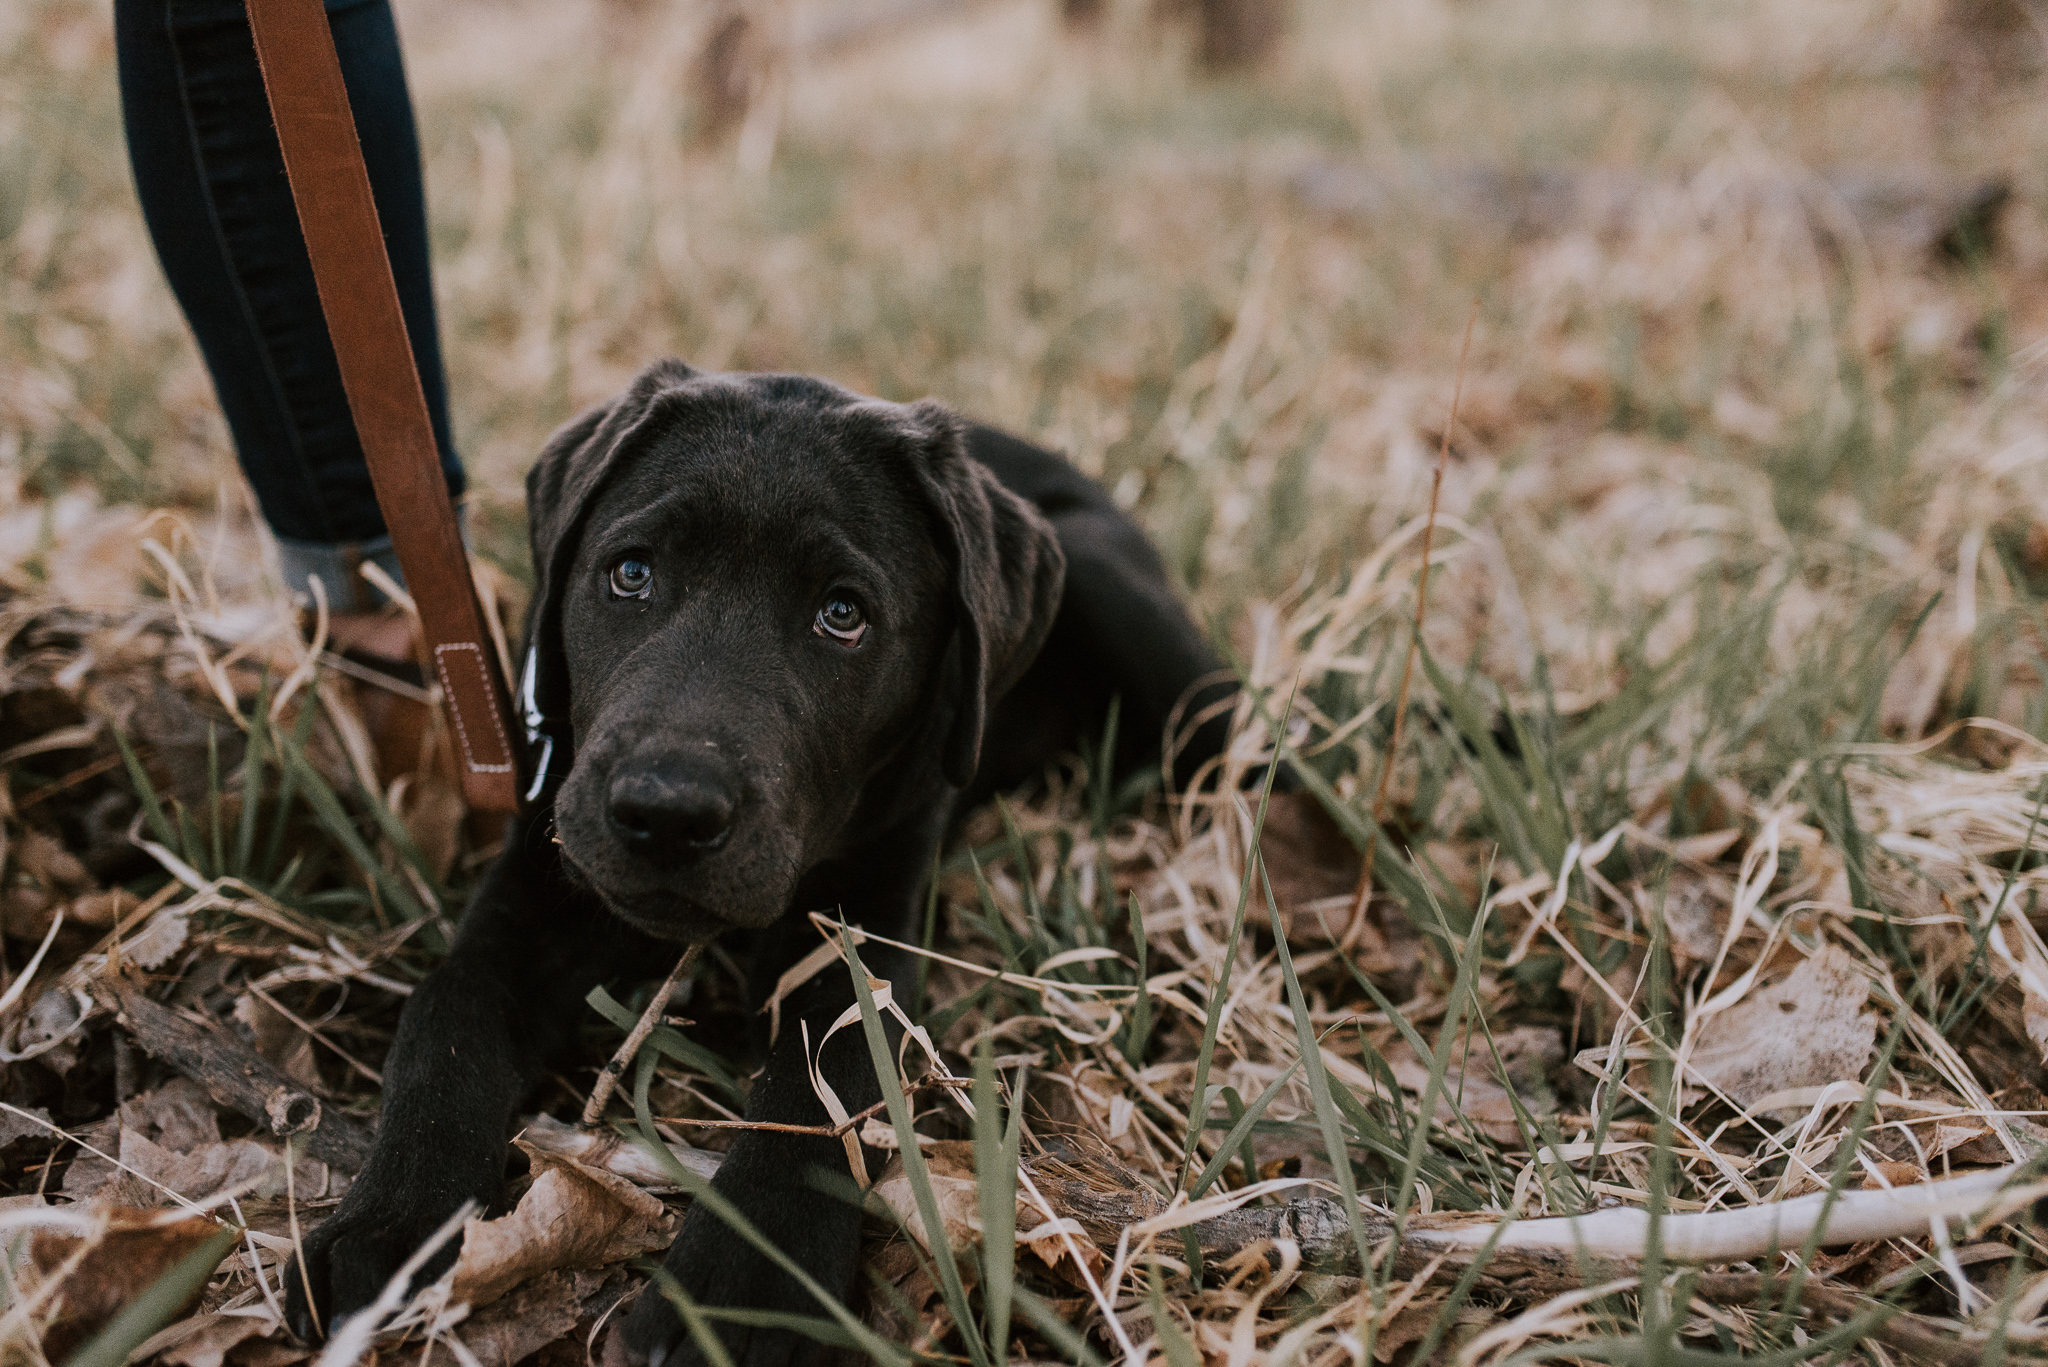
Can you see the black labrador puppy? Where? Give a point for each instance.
(781, 634)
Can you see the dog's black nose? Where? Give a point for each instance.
(668, 814)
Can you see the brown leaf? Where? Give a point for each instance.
(207, 1343)
(1804, 1031)
(951, 1166)
(44, 859)
(170, 1137)
(572, 1216)
(13, 1126)
(1893, 1175)
(266, 1353)
(1410, 1324)
(432, 812)
(1472, 1085)
(178, 1115)
(524, 1322)
(280, 1042)
(124, 1263)
(207, 1168)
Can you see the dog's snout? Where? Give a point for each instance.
(670, 812)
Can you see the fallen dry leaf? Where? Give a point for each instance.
(278, 1040)
(170, 1138)
(1472, 1086)
(524, 1322)
(1893, 1174)
(572, 1216)
(122, 1264)
(1806, 1030)
(14, 1126)
(1410, 1324)
(178, 1115)
(950, 1163)
(206, 1340)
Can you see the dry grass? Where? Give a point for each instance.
(1733, 708)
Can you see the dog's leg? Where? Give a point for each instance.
(797, 1191)
(470, 1044)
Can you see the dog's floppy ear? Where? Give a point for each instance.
(560, 488)
(1008, 571)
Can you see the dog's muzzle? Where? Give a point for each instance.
(672, 810)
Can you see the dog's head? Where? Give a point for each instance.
(770, 616)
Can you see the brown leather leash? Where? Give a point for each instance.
(331, 187)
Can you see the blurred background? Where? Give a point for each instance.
(1742, 270)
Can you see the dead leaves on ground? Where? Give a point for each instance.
(571, 1217)
(1806, 1030)
(98, 1274)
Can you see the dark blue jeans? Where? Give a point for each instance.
(213, 191)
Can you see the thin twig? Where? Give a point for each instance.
(313, 1033)
(833, 1131)
(76, 777)
(235, 1075)
(1436, 488)
(608, 1080)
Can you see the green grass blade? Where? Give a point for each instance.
(1055, 1330)
(700, 1330)
(287, 787)
(1102, 787)
(335, 820)
(1176, 1346)
(713, 1200)
(1138, 1027)
(1027, 872)
(152, 809)
(1219, 991)
(930, 937)
(1462, 992)
(252, 783)
(667, 1040)
(188, 840)
(1239, 1135)
(995, 1177)
(913, 1159)
(1391, 864)
(1501, 789)
(154, 1308)
(1311, 1057)
(214, 834)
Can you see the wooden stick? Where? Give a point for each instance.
(1530, 1257)
(608, 1080)
(235, 1075)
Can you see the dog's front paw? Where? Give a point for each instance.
(718, 1269)
(350, 1257)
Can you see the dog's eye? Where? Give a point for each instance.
(632, 577)
(842, 620)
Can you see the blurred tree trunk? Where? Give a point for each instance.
(1983, 48)
(1237, 34)
(1083, 14)
(727, 74)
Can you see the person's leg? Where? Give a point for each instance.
(214, 194)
